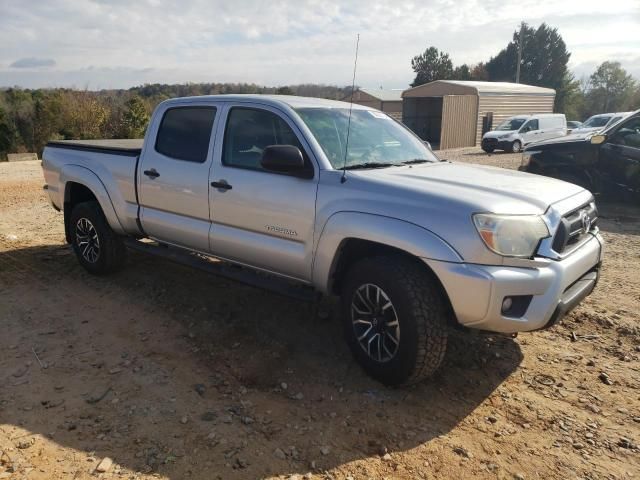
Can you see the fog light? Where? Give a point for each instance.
(515, 306)
(507, 304)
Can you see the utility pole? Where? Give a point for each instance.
(519, 53)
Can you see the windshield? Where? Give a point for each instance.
(511, 124)
(375, 139)
(597, 121)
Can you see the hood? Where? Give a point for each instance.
(498, 133)
(478, 187)
(577, 138)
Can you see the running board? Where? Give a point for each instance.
(245, 275)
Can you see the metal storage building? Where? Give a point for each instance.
(389, 101)
(455, 113)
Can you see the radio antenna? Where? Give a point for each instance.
(353, 87)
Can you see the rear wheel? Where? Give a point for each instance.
(98, 249)
(395, 319)
(516, 146)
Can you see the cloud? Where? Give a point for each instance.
(288, 41)
(32, 62)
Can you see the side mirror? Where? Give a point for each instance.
(284, 159)
(427, 144)
(598, 139)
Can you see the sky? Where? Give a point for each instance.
(97, 44)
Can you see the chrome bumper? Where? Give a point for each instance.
(477, 292)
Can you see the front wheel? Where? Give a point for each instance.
(516, 146)
(395, 319)
(98, 249)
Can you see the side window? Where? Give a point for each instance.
(249, 131)
(628, 134)
(185, 132)
(530, 125)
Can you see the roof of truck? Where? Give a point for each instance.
(275, 100)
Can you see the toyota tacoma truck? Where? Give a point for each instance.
(342, 200)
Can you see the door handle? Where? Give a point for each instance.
(151, 173)
(221, 185)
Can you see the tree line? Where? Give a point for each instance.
(544, 60)
(31, 118)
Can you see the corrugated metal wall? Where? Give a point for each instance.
(459, 114)
(504, 106)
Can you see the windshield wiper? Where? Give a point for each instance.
(416, 160)
(359, 166)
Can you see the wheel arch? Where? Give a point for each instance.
(351, 236)
(82, 185)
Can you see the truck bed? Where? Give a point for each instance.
(128, 147)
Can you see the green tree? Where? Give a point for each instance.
(135, 117)
(284, 91)
(611, 88)
(431, 65)
(544, 62)
(463, 72)
(8, 136)
(48, 118)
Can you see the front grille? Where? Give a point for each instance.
(489, 142)
(574, 227)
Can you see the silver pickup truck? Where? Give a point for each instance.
(345, 202)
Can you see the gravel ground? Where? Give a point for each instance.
(163, 372)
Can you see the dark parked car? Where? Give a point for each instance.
(606, 162)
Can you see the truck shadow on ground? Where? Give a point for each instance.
(173, 371)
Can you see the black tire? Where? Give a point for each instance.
(421, 310)
(111, 252)
(488, 149)
(516, 146)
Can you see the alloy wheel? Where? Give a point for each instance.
(516, 147)
(87, 240)
(375, 323)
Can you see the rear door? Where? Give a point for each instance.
(261, 218)
(619, 162)
(173, 185)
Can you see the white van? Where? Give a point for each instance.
(516, 132)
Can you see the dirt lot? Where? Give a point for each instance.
(175, 374)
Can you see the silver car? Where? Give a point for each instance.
(342, 199)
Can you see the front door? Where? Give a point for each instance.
(172, 180)
(619, 162)
(530, 131)
(261, 218)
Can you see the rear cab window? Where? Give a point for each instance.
(185, 133)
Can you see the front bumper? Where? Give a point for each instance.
(495, 144)
(477, 292)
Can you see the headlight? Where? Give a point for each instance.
(511, 235)
(502, 137)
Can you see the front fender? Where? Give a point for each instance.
(392, 232)
(84, 176)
